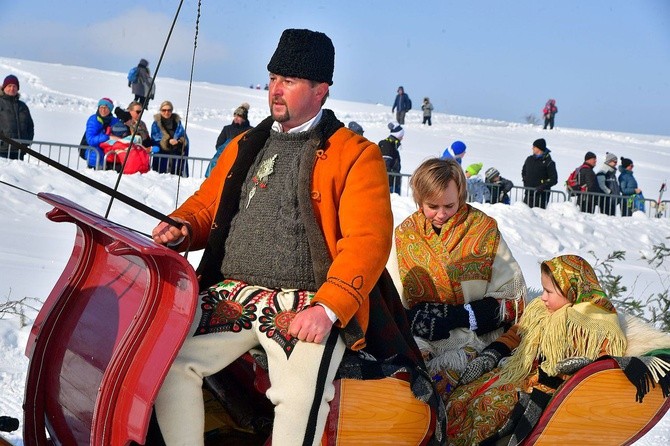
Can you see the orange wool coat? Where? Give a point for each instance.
(350, 199)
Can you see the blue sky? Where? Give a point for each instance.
(607, 63)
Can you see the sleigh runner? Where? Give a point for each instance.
(106, 335)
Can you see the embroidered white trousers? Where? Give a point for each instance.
(300, 405)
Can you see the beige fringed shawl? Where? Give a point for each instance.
(580, 330)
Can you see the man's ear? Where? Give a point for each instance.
(321, 90)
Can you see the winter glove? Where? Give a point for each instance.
(487, 315)
(8, 424)
(485, 362)
(540, 188)
(568, 366)
(433, 321)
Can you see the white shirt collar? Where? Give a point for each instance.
(309, 125)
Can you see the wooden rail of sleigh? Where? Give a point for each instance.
(106, 335)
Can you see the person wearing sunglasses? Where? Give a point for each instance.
(169, 139)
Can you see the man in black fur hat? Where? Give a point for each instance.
(296, 224)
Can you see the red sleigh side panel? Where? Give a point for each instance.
(106, 335)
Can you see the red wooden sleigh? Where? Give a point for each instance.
(108, 332)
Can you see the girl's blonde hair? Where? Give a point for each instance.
(433, 176)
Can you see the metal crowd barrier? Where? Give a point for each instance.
(619, 205)
(68, 155)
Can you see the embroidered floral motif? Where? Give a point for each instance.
(261, 178)
(275, 326)
(220, 312)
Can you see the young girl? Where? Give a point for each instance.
(459, 280)
(569, 325)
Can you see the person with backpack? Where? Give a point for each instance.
(539, 175)
(390, 148)
(401, 105)
(608, 184)
(139, 79)
(633, 199)
(549, 111)
(499, 186)
(583, 182)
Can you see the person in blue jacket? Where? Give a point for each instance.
(401, 105)
(169, 138)
(628, 186)
(99, 130)
(457, 151)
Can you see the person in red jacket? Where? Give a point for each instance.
(290, 260)
(549, 112)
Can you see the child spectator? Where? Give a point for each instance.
(477, 190)
(457, 151)
(498, 186)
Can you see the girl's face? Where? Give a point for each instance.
(552, 297)
(440, 208)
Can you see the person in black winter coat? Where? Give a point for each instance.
(538, 175)
(586, 178)
(15, 119)
(390, 148)
(239, 125)
(608, 184)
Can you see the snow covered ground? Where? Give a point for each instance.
(34, 250)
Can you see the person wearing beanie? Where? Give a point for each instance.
(99, 130)
(142, 86)
(401, 105)
(455, 270)
(608, 184)
(297, 227)
(477, 190)
(239, 125)
(15, 119)
(457, 152)
(498, 186)
(538, 175)
(427, 109)
(170, 140)
(632, 199)
(390, 149)
(356, 127)
(473, 169)
(588, 191)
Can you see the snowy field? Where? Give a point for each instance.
(34, 250)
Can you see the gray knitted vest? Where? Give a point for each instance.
(267, 244)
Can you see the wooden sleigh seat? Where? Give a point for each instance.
(105, 337)
(597, 406)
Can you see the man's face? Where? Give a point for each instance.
(591, 162)
(11, 90)
(294, 101)
(237, 119)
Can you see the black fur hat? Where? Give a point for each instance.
(305, 54)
